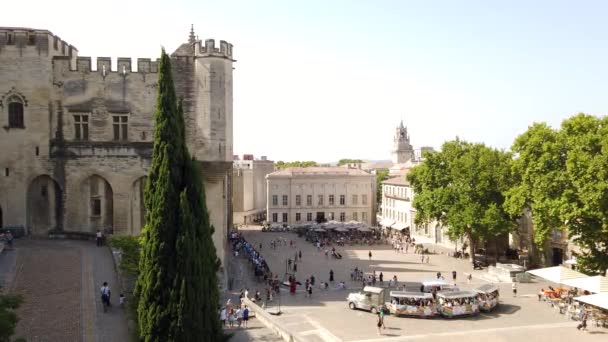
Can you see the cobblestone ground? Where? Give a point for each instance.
(48, 277)
(326, 317)
(59, 281)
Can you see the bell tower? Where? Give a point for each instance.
(402, 149)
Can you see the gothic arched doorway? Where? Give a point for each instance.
(98, 204)
(43, 205)
(138, 207)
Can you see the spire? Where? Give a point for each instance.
(401, 124)
(192, 37)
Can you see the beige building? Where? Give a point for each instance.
(299, 195)
(249, 189)
(77, 134)
(397, 214)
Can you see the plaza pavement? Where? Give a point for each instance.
(60, 282)
(326, 317)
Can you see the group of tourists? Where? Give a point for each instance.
(234, 317)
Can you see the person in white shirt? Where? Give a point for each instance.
(514, 287)
(98, 238)
(223, 316)
(239, 316)
(105, 294)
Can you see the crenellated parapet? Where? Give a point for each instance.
(209, 48)
(105, 66)
(28, 41)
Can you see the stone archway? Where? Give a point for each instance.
(138, 207)
(97, 202)
(43, 205)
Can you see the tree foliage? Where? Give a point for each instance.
(8, 316)
(563, 180)
(349, 161)
(381, 176)
(462, 188)
(282, 165)
(177, 284)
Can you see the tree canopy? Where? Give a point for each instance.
(381, 176)
(562, 178)
(462, 187)
(282, 165)
(349, 161)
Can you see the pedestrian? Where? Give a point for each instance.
(428, 259)
(223, 316)
(289, 264)
(422, 259)
(382, 317)
(514, 287)
(245, 316)
(438, 275)
(98, 238)
(379, 323)
(295, 267)
(309, 291)
(239, 316)
(121, 300)
(381, 278)
(300, 254)
(470, 277)
(312, 280)
(232, 318)
(540, 294)
(370, 255)
(105, 293)
(407, 246)
(422, 288)
(395, 280)
(9, 239)
(583, 325)
(331, 276)
(454, 275)
(260, 246)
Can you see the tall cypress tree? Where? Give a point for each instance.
(177, 285)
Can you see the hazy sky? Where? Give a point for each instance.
(325, 80)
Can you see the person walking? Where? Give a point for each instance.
(331, 276)
(381, 277)
(295, 267)
(514, 287)
(309, 291)
(454, 275)
(541, 293)
(470, 277)
(300, 255)
(223, 317)
(370, 255)
(379, 323)
(422, 258)
(245, 316)
(98, 238)
(105, 295)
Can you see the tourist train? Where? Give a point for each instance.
(426, 305)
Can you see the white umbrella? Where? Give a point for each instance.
(557, 274)
(598, 299)
(594, 284)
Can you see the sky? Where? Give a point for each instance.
(325, 80)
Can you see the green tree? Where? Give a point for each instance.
(282, 165)
(562, 179)
(177, 286)
(585, 199)
(8, 316)
(349, 161)
(381, 176)
(462, 188)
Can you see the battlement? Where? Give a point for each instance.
(209, 49)
(105, 66)
(36, 40)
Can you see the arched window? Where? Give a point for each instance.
(15, 112)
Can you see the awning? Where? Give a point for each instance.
(557, 274)
(387, 222)
(599, 300)
(399, 226)
(364, 229)
(594, 284)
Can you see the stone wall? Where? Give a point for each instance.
(54, 173)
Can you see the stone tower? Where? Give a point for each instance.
(402, 149)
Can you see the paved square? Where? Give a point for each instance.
(326, 316)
